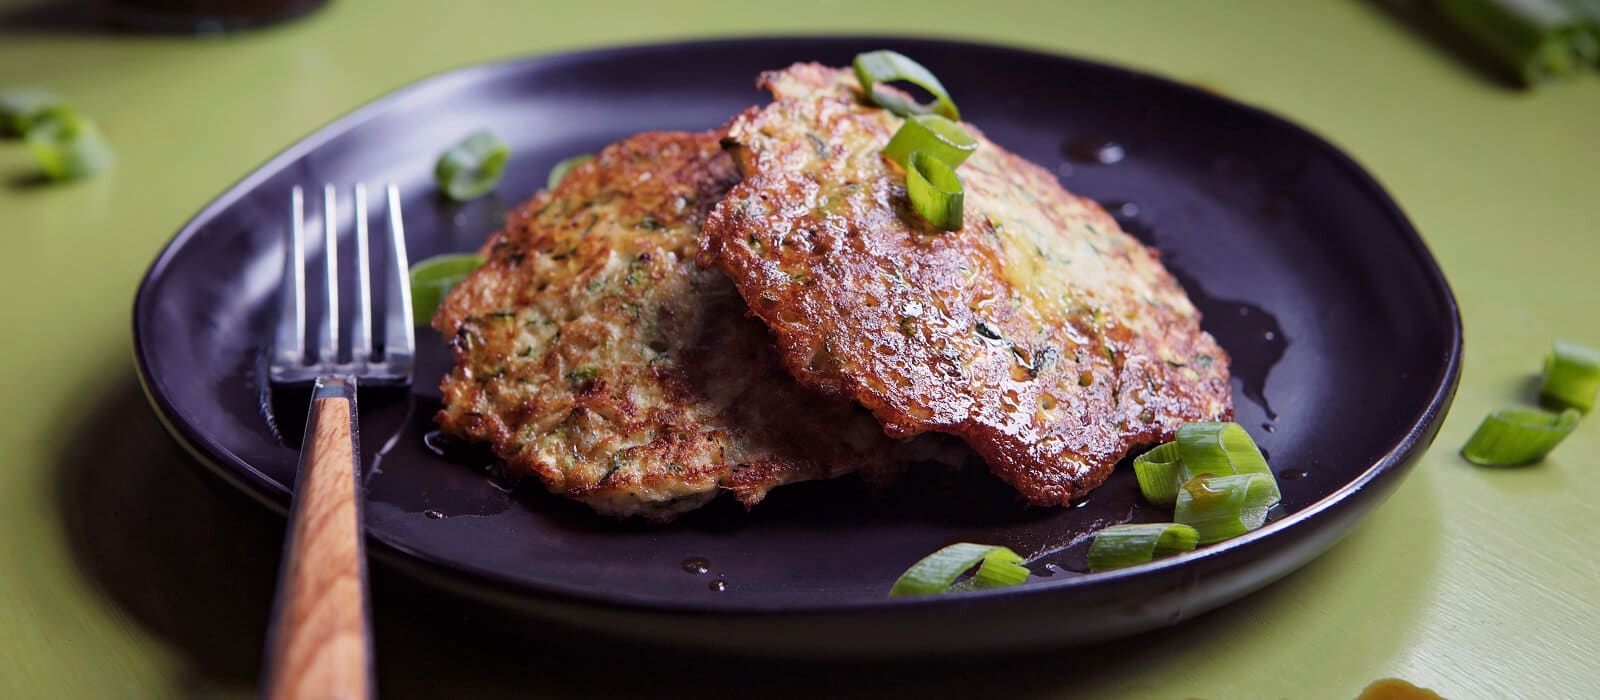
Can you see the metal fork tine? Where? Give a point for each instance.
(328, 333)
(361, 342)
(289, 344)
(399, 337)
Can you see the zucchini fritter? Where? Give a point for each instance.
(593, 353)
(1040, 333)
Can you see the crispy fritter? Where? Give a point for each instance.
(1043, 335)
(592, 352)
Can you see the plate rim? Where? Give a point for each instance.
(240, 474)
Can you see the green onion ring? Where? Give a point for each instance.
(1571, 376)
(1220, 449)
(433, 278)
(66, 145)
(1533, 40)
(887, 66)
(936, 572)
(1160, 472)
(559, 172)
(1220, 507)
(20, 106)
(1125, 545)
(1515, 438)
(939, 137)
(471, 168)
(935, 191)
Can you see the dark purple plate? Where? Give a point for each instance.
(1345, 338)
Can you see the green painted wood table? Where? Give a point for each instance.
(126, 572)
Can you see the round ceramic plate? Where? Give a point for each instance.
(1344, 335)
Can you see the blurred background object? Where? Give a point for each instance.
(204, 16)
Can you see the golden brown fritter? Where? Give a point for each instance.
(593, 353)
(1047, 338)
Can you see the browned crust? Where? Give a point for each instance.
(1052, 366)
(592, 353)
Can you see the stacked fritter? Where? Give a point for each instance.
(593, 353)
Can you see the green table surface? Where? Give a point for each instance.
(125, 572)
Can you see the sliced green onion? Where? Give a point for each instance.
(935, 191)
(1221, 449)
(1515, 438)
(876, 67)
(559, 172)
(1220, 507)
(1125, 545)
(1571, 376)
(471, 168)
(433, 278)
(1533, 40)
(997, 566)
(20, 106)
(1160, 472)
(939, 137)
(66, 145)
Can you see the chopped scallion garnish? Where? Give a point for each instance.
(934, 135)
(935, 191)
(1515, 438)
(1160, 472)
(1220, 507)
(997, 566)
(1221, 449)
(67, 146)
(1125, 545)
(433, 278)
(559, 172)
(1533, 40)
(471, 168)
(888, 66)
(20, 106)
(1571, 376)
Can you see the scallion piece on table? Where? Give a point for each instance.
(997, 566)
(67, 145)
(559, 172)
(1221, 449)
(433, 278)
(1534, 40)
(1160, 472)
(1125, 545)
(1514, 438)
(1571, 376)
(934, 135)
(20, 106)
(876, 67)
(935, 191)
(472, 167)
(1220, 507)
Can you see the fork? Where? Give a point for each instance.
(320, 641)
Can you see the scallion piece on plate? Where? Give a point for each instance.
(1533, 40)
(1571, 376)
(20, 106)
(67, 145)
(1221, 449)
(931, 134)
(997, 566)
(471, 168)
(1220, 507)
(1515, 438)
(935, 191)
(1160, 472)
(559, 172)
(876, 67)
(433, 278)
(1125, 545)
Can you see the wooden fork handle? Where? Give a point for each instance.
(320, 643)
